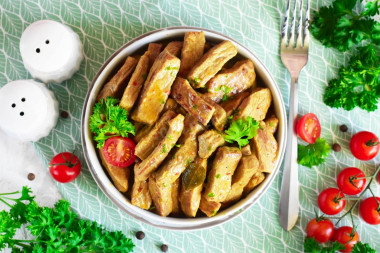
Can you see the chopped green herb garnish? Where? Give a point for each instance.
(144, 76)
(195, 106)
(165, 184)
(226, 90)
(218, 176)
(164, 149)
(214, 212)
(241, 131)
(271, 124)
(188, 161)
(109, 120)
(211, 195)
(162, 101)
(171, 68)
(177, 145)
(170, 137)
(209, 148)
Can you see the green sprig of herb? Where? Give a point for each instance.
(312, 246)
(313, 154)
(241, 131)
(55, 229)
(109, 120)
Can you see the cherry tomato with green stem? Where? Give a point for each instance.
(331, 201)
(364, 145)
(351, 181)
(346, 236)
(321, 229)
(65, 167)
(370, 210)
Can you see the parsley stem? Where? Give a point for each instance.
(22, 244)
(10, 193)
(5, 202)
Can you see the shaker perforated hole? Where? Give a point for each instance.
(38, 50)
(23, 100)
(13, 105)
(21, 113)
(47, 41)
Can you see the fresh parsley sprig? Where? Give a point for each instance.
(313, 154)
(241, 131)
(109, 120)
(342, 27)
(312, 246)
(55, 229)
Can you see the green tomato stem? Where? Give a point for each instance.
(361, 194)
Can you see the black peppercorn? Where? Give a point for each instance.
(140, 235)
(336, 147)
(343, 128)
(164, 247)
(31, 176)
(64, 114)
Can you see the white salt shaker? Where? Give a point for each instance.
(51, 51)
(28, 110)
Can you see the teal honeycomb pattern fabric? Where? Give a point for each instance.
(104, 26)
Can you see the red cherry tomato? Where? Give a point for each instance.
(331, 201)
(370, 210)
(351, 181)
(322, 231)
(119, 151)
(64, 167)
(309, 128)
(343, 235)
(364, 145)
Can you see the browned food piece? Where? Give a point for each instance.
(211, 63)
(151, 139)
(265, 146)
(156, 88)
(118, 175)
(246, 150)
(233, 103)
(161, 196)
(170, 104)
(115, 86)
(208, 46)
(210, 208)
(256, 179)
(190, 199)
(219, 118)
(135, 83)
(154, 50)
(272, 124)
(189, 99)
(255, 105)
(174, 48)
(160, 152)
(219, 178)
(140, 195)
(192, 51)
(141, 133)
(232, 81)
(175, 195)
(247, 167)
(183, 155)
(208, 142)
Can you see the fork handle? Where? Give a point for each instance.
(289, 198)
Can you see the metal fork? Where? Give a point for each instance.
(294, 54)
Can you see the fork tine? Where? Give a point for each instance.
(306, 25)
(293, 36)
(285, 26)
(300, 32)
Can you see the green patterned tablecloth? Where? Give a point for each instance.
(104, 26)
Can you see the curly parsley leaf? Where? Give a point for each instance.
(358, 84)
(341, 27)
(362, 248)
(108, 120)
(241, 131)
(313, 154)
(56, 229)
(312, 246)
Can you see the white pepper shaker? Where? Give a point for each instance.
(51, 51)
(28, 110)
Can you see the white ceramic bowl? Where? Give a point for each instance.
(99, 173)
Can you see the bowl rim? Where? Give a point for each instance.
(219, 218)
